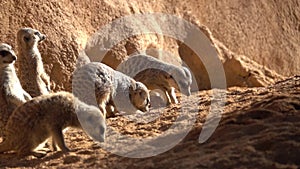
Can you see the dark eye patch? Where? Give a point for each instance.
(37, 33)
(4, 53)
(26, 39)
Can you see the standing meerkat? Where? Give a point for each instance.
(31, 71)
(46, 116)
(12, 94)
(98, 84)
(156, 74)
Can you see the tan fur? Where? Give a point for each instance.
(11, 93)
(31, 70)
(46, 116)
(158, 79)
(109, 87)
(156, 74)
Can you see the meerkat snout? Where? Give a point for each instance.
(139, 96)
(7, 54)
(42, 37)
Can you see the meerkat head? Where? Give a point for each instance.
(139, 96)
(7, 55)
(29, 38)
(183, 78)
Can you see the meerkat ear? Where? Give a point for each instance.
(132, 86)
(186, 71)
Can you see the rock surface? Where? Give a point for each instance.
(262, 37)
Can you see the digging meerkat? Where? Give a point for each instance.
(32, 123)
(12, 94)
(31, 71)
(156, 74)
(98, 84)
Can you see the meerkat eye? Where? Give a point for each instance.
(148, 101)
(26, 39)
(37, 33)
(169, 76)
(4, 53)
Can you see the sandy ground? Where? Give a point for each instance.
(260, 128)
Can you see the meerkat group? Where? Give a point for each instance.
(97, 89)
(156, 74)
(27, 122)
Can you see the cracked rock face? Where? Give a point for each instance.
(257, 44)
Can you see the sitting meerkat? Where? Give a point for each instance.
(12, 94)
(156, 74)
(32, 123)
(31, 71)
(98, 84)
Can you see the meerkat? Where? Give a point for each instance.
(156, 74)
(12, 94)
(98, 84)
(31, 71)
(46, 116)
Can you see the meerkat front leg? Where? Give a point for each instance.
(172, 95)
(46, 79)
(54, 148)
(169, 102)
(58, 139)
(102, 108)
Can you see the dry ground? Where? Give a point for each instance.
(260, 128)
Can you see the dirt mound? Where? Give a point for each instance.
(259, 128)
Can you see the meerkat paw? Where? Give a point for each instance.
(65, 149)
(39, 154)
(44, 149)
(175, 100)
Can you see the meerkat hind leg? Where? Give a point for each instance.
(4, 146)
(27, 149)
(54, 144)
